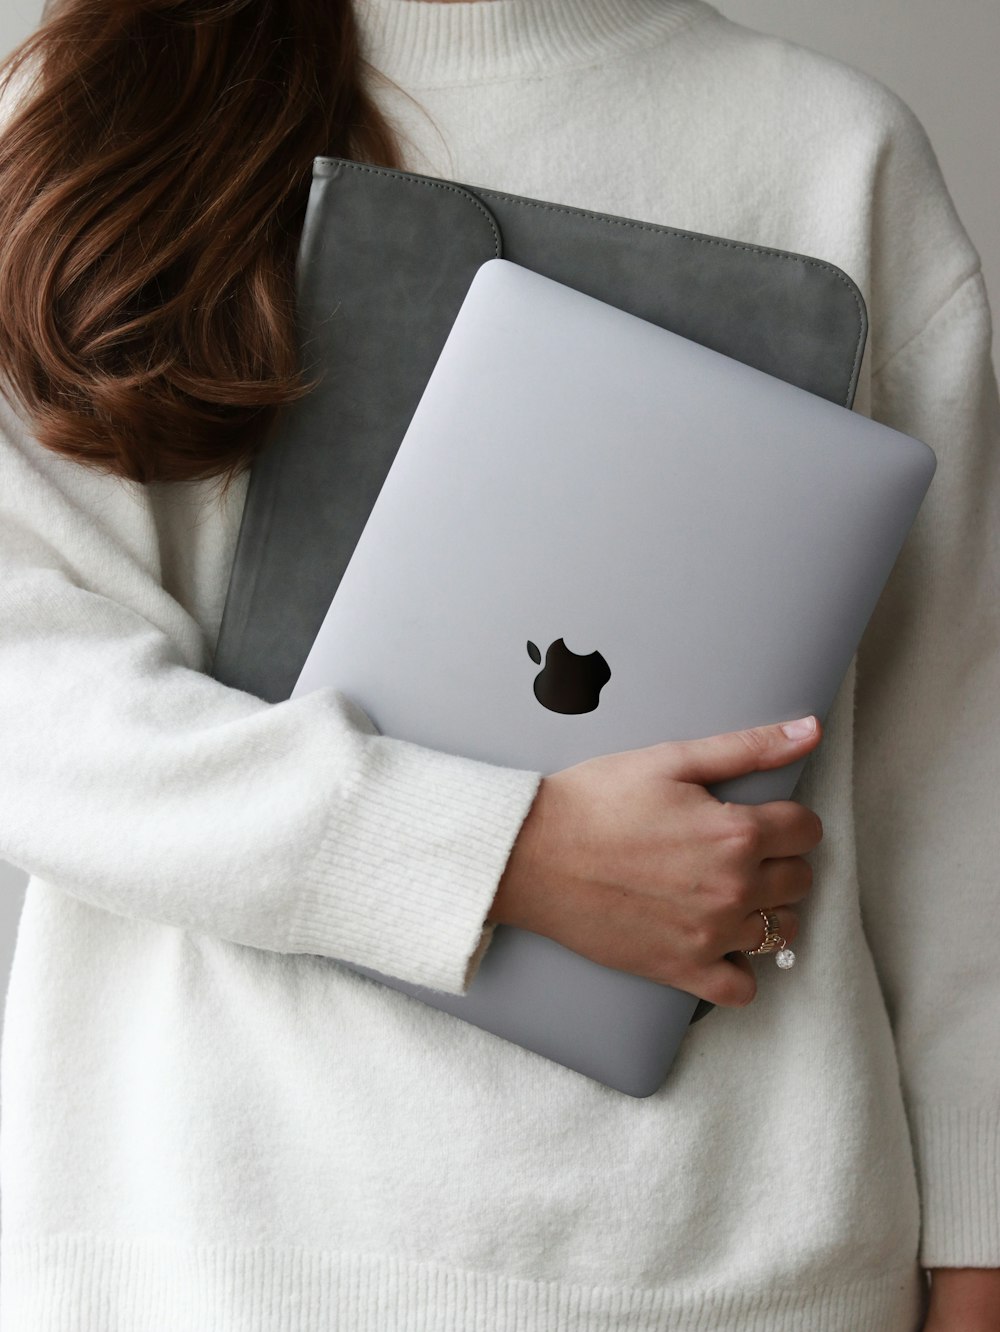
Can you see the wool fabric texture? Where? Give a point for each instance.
(211, 1124)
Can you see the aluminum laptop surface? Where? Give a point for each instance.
(597, 535)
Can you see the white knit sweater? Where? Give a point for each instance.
(208, 1125)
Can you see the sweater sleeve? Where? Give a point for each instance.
(135, 781)
(927, 773)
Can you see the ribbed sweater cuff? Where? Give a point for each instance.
(409, 866)
(957, 1151)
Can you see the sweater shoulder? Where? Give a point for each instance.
(834, 151)
(817, 91)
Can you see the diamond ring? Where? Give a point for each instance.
(773, 941)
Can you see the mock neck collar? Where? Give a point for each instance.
(431, 43)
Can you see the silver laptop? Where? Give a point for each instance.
(597, 535)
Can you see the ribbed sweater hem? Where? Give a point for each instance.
(91, 1283)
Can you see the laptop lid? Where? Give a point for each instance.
(596, 535)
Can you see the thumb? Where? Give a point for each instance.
(734, 753)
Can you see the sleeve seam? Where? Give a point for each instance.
(959, 287)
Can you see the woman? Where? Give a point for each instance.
(207, 1122)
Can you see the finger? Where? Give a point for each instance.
(786, 828)
(781, 882)
(731, 982)
(708, 759)
(751, 932)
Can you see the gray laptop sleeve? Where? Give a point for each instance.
(385, 260)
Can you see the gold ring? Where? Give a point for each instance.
(772, 938)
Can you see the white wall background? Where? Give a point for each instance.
(939, 55)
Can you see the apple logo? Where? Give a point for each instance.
(569, 682)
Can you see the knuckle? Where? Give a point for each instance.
(741, 830)
(703, 940)
(674, 756)
(730, 891)
(756, 739)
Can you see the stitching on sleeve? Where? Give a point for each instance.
(960, 287)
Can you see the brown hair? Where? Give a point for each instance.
(152, 187)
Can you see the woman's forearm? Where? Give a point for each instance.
(964, 1299)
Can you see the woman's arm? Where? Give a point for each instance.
(135, 781)
(964, 1299)
(927, 774)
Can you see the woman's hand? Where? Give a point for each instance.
(964, 1299)
(628, 860)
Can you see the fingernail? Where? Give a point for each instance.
(798, 730)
